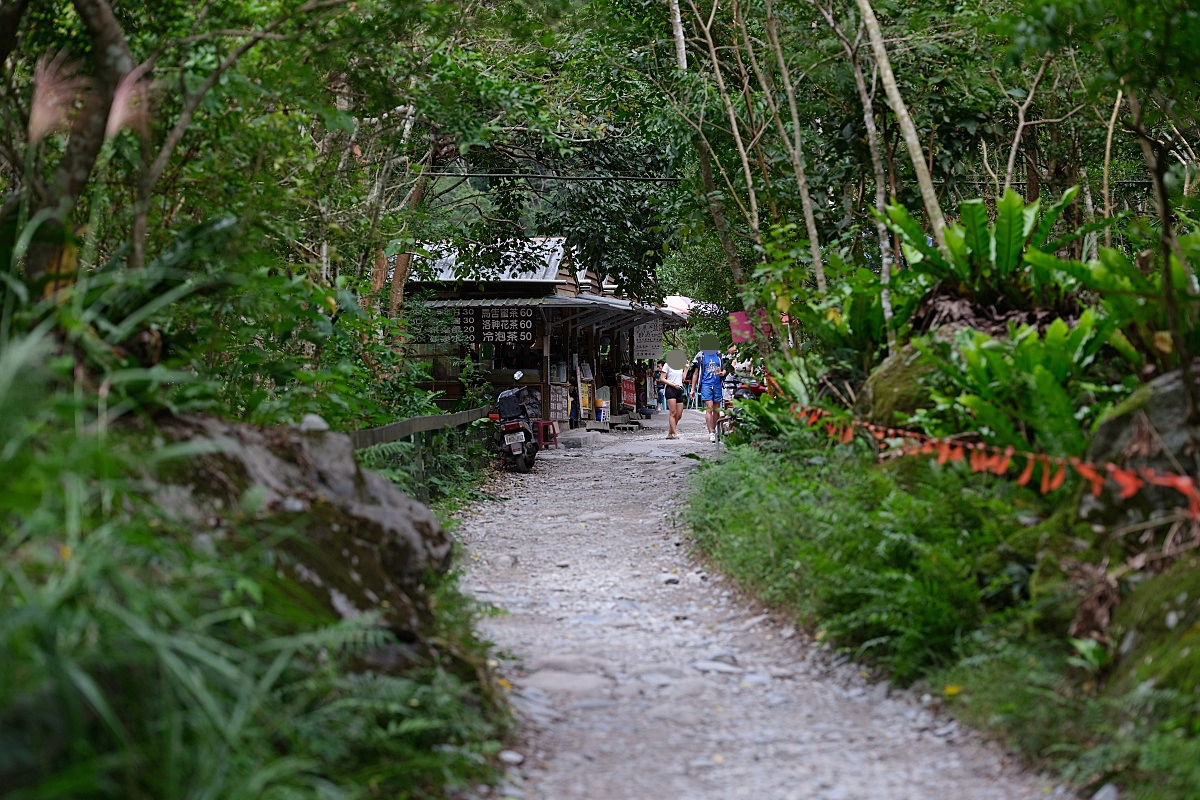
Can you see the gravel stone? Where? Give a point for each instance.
(510, 757)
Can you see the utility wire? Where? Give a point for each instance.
(632, 178)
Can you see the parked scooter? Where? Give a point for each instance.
(749, 389)
(518, 445)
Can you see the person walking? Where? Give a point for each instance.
(709, 369)
(671, 377)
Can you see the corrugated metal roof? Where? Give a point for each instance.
(532, 260)
(613, 304)
(486, 302)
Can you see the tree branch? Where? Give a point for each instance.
(1021, 111)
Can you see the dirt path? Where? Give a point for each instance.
(639, 677)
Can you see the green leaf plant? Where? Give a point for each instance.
(1028, 390)
(987, 262)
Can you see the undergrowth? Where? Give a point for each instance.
(142, 659)
(885, 560)
(444, 471)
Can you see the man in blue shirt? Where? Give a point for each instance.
(709, 370)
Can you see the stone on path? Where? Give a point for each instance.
(553, 681)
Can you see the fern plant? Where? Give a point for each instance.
(987, 260)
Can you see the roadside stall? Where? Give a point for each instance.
(581, 352)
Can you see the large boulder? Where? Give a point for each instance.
(1150, 430)
(356, 543)
(894, 389)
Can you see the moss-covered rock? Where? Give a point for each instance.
(894, 389)
(1158, 630)
(347, 536)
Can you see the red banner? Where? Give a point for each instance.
(628, 391)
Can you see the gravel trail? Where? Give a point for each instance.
(638, 676)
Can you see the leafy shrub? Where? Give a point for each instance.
(1130, 297)
(1022, 688)
(986, 262)
(451, 461)
(277, 347)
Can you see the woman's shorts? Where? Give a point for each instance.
(674, 393)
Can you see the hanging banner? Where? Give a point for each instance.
(647, 340)
(740, 328)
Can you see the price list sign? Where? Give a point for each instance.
(647, 340)
(488, 324)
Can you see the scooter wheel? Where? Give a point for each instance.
(521, 465)
(529, 461)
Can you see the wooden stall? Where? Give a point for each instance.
(584, 354)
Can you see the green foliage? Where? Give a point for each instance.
(887, 562)
(1132, 299)
(278, 347)
(847, 323)
(1026, 390)
(987, 262)
(1020, 687)
(142, 659)
(928, 571)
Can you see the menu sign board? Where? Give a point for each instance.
(647, 340)
(490, 324)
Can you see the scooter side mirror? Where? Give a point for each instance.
(518, 375)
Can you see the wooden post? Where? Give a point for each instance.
(419, 467)
(546, 364)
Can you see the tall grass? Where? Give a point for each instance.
(142, 659)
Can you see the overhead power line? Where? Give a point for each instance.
(632, 178)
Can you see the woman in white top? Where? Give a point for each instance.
(672, 379)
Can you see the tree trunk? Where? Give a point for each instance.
(10, 22)
(734, 125)
(885, 246)
(112, 62)
(907, 128)
(1091, 241)
(1033, 186)
(1155, 156)
(881, 179)
(677, 30)
(404, 261)
(718, 214)
(795, 147)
